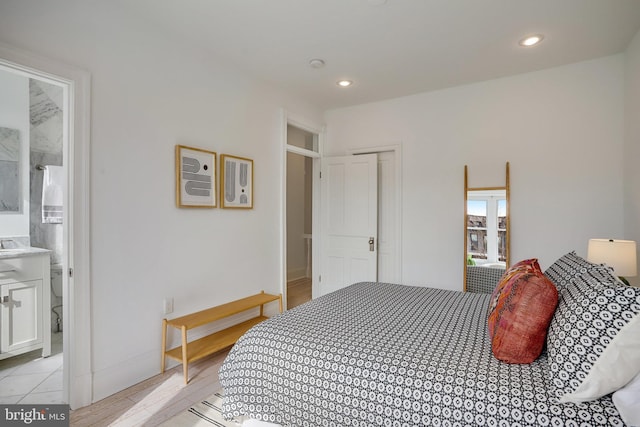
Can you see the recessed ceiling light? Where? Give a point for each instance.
(531, 40)
(316, 63)
(344, 83)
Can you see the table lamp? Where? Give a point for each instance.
(617, 254)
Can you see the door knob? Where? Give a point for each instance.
(371, 244)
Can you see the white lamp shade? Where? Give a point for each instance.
(618, 254)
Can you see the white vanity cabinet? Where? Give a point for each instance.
(25, 302)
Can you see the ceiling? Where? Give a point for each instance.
(392, 48)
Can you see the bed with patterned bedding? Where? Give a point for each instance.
(393, 355)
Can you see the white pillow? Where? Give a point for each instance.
(250, 422)
(627, 401)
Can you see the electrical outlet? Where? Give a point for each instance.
(168, 305)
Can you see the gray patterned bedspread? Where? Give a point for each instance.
(392, 355)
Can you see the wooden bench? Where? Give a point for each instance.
(191, 351)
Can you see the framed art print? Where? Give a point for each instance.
(236, 182)
(195, 177)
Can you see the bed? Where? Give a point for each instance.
(396, 355)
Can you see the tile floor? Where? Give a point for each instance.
(30, 378)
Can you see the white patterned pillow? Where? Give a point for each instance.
(570, 265)
(593, 343)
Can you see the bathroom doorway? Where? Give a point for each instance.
(74, 262)
(34, 112)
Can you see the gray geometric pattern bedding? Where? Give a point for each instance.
(392, 355)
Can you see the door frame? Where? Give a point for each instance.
(397, 150)
(76, 83)
(289, 118)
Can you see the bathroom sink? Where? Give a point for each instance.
(12, 250)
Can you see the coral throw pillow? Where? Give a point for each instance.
(522, 306)
(526, 265)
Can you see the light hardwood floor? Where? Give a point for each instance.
(298, 292)
(159, 398)
(155, 400)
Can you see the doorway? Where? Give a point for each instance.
(299, 215)
(33, 112)
(63, 91)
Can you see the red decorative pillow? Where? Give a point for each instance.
(520, 312)
(519, 267)
(531, 263)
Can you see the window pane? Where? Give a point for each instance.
(477, 243)
(477, 228)
(477, 213)
(502, 245)
(302, 139)
(502, 230)
(502, 214)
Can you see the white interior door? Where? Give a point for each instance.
(349, 187)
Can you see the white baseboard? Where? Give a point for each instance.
(125, 374)
(118, 377)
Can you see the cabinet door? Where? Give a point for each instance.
(21, 315)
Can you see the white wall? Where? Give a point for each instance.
(14, 114)
(561, 130)
(632, 145)
(150, 92)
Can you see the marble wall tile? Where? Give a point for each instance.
(45, 149)
(53, 92)
(45, 116)
(41, 107)
(47, 136)
(20, 240)
(48, 236)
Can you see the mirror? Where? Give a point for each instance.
(9, 170)
(486, 230)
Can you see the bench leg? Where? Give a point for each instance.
(164, 345)
(185, 365)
